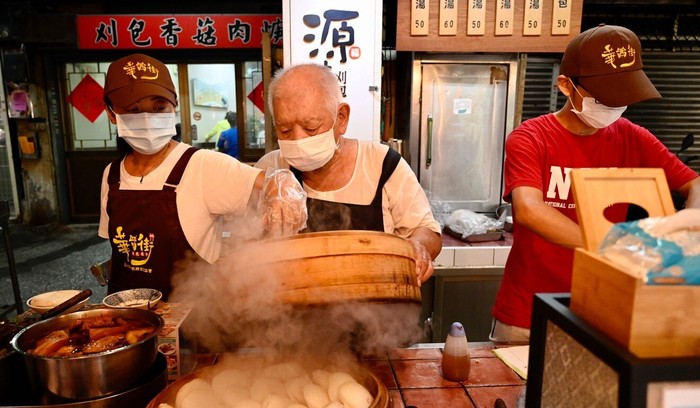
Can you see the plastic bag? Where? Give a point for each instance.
(441, 209)
(660, 250)
(467, 222)
(282, 204)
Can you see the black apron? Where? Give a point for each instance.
(331, 216)
(145, 232)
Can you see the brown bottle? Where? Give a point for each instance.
(455, 356)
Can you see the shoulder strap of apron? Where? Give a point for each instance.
(113, 176)
(391, 160)
(176, 174)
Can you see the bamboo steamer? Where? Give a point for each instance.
(339, 266)
(362, 375)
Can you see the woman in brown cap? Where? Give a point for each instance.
(159, 201)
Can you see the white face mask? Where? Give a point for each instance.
(596, 114)
(309, 153)
(147, 133)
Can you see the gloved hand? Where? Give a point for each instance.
(424, 263)
(282, 204)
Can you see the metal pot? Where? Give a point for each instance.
(94, 375)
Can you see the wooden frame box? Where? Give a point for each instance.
(570, 360)
(650, 320)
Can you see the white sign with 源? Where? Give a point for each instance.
(346, 37)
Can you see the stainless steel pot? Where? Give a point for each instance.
(94, 375)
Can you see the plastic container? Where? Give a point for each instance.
(456, 363)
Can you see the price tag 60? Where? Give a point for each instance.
(448, 17)
(504, 17)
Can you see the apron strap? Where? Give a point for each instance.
(113, 176)
(176, 174)
(391, 160)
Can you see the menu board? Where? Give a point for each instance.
(487, 25)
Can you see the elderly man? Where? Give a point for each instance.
(351, 184)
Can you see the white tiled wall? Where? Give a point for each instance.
(472, 256)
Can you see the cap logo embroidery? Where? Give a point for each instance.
(626, 53)
(142, 69)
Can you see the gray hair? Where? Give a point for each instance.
(310, 75)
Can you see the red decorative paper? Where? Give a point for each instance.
(256, 96)
(87, 98)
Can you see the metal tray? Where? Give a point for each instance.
(489, 236)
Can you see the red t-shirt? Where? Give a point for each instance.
(540, 153)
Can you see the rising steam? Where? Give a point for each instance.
(236, 305)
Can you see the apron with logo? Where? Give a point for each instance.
(145, 232)
(331, 216)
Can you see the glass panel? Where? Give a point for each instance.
(213, 94)
(89, 127)
(255, 118)
(466, 106)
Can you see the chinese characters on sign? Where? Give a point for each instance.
(342, 37)
(476, 17)
(177, 31)
(448, 17)
(345, 37)
(532, 23)
(504, 17)
(420, 15)
(561, 17)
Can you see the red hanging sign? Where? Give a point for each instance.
(177, 31)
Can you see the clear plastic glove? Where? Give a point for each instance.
(282, 204)
(424, 263)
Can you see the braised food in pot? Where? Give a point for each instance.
(92, 335)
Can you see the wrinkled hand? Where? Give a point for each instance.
(282, 203)
(424, 263)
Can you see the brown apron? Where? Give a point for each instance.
(145, 232)
(332, 216)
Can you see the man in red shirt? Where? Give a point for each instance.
(600, 74)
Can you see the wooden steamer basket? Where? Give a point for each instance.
(339, 266)
(361, 374)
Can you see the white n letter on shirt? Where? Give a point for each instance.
(559, 180)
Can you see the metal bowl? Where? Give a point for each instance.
(142, 298)
(94, 375)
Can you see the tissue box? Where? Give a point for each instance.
(180, 352)
(652, 321)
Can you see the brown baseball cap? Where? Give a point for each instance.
(607, 61)
(137, 76)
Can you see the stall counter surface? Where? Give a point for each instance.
(413, 377)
